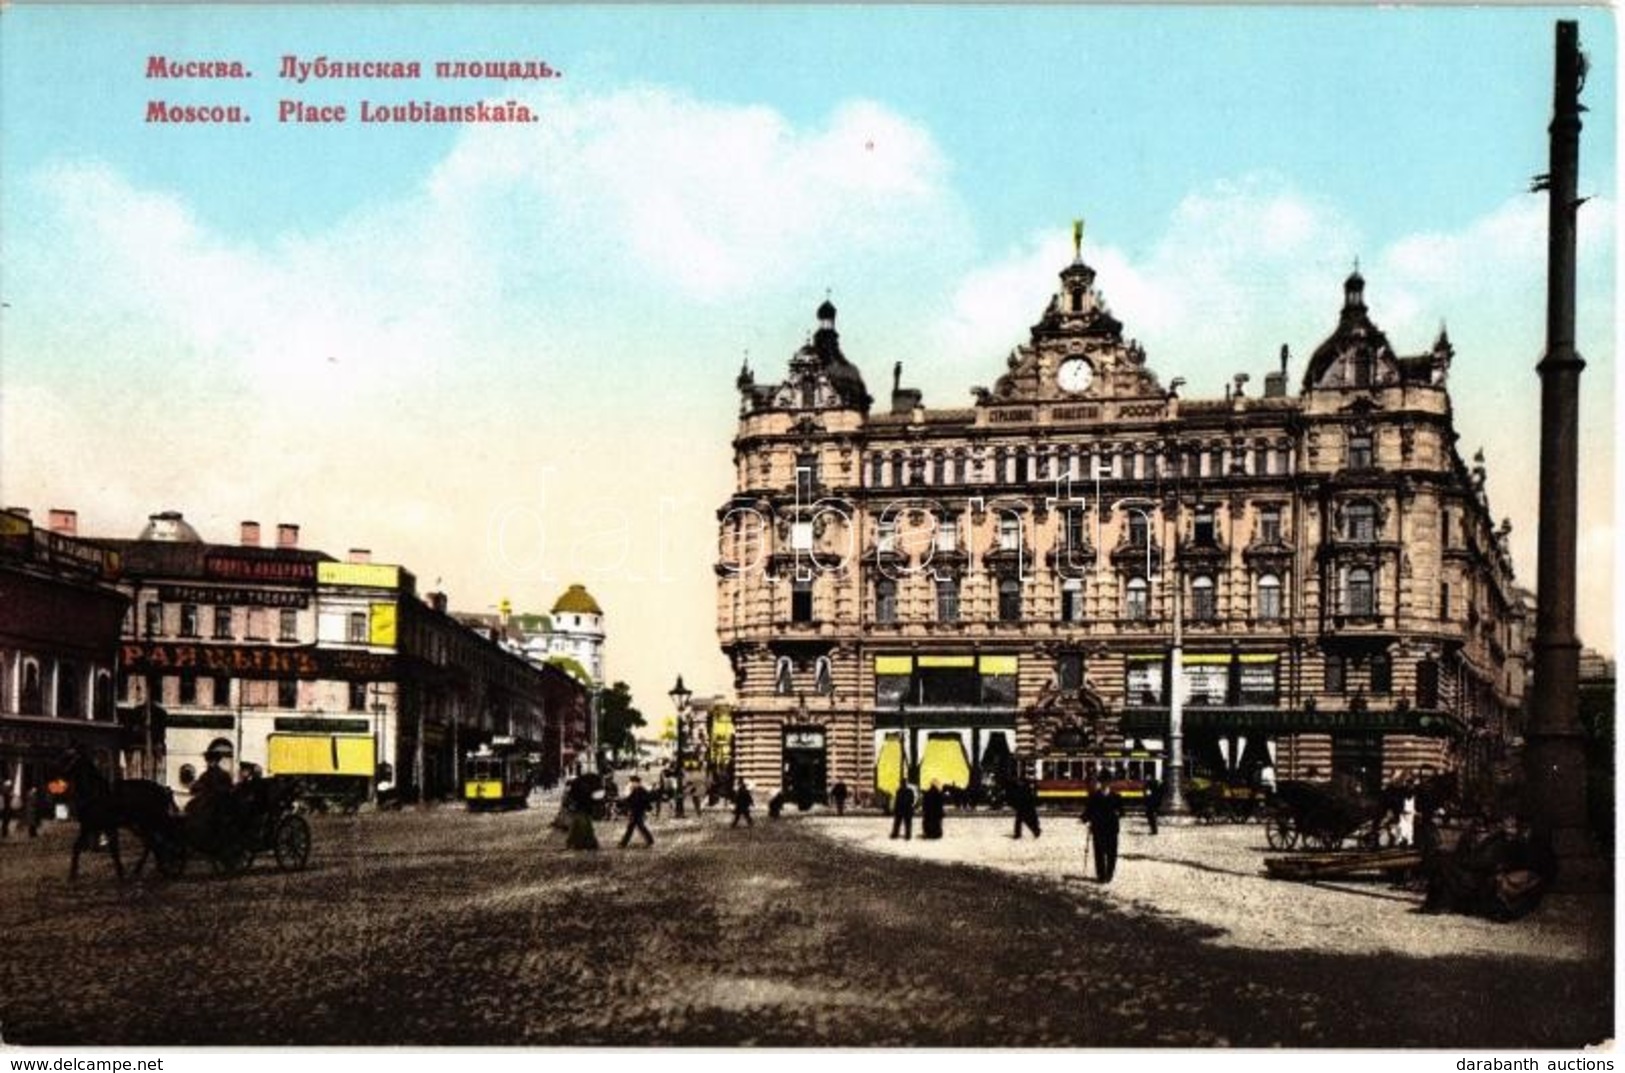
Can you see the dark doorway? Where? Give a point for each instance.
(806, 762)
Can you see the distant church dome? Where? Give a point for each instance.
(577, 601)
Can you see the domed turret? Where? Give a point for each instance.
(577, 631)
(168, 526)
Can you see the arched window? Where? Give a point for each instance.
(1269, 597)
(69, 696)
(823, 676)
(1204, 605)
(1009, 600)
(939, 468)
(103, 697)
(783, 682)
(1359, 595)
(1136, 606)
(877, 470)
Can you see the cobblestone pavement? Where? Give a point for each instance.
(442, 927)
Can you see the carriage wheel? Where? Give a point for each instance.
(1280, 833)
(291, 842)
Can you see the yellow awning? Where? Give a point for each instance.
(889, 765)
(947, 661)
(894, 664)
(944, 761)
(998, 665)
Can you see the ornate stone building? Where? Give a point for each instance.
(944, 592)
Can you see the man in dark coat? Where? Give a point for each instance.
(637, 807)
(838, 793)
(742, 803)
(902, 811)
(932, 804)
(1024, 799)
(1104, 815)
(1153, 802)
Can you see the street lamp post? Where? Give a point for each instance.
(679, 698)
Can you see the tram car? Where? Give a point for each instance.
(496, 778)
(1064, 779)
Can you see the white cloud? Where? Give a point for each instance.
(714, 201)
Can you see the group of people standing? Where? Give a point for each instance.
(1103, 813)
(933, 804)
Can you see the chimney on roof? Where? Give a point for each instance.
(437, 600)
(251, 534)
(64, 522)
(361, 555)
(287, 535)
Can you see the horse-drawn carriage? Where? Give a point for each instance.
(1312, 815)
(229, 831)
(1217, 801)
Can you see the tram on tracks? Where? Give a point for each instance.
(1063, 779)
(497, 776)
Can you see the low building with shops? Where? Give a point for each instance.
(300, 664)
(909, 591)
(60, 612)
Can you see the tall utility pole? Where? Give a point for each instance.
(1556, 746)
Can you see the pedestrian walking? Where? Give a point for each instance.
(1024, 799)
(932, 804)
(902, 811)
(838, 793)
(742, 803)
(1153, 802)
(637, 807)
(1103, 814)
(5, 809)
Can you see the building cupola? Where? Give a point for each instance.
(1354, 294)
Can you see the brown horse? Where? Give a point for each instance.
(102, 807)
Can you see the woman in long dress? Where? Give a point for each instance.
(931, 809)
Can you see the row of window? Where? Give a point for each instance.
(1019, 465)
(254, 693)
(71, 695)
(1206, 681)
(1360, 525)
(1359, 596)
(192, 617)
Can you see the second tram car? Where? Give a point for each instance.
(496, 778)
(1064, 779)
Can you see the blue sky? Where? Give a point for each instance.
(504, 356)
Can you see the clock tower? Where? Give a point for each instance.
(1077, 352)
